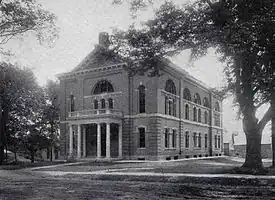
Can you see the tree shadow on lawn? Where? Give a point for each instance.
(215, 166)
(22, 165)
(8, 193)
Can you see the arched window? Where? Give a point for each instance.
(111, 103)
(205, 117)
(170, 87)
(95, 104)
(197, 99)
(141, 90)
(194, 114)
(206, 102)
(72, 108)
(170, 103)
(199, 115)
(217, 107)
(103, 86)
(187, 94)
(103, 104)
(217, 115)
(187, 112)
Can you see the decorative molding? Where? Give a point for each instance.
(169, 94)
(194, 104)
(103, 95)
(99, 69)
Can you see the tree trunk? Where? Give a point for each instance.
(253, 158)
(6, 146)
(273, 125)
(51, 154)
(3, 141)
(1, 137)
(32, 156)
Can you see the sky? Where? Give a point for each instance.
(81, 21)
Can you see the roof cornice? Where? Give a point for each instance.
(82, 72)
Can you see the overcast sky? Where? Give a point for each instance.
(80, 22)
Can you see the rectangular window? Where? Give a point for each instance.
(166, 106)
(166, 138)
(170, 107)
(215, 141)
(141, 137)
(174, 139)
(141, 99)
(174, 108)
(199, 141)
(111, 103)
(205, 141)
(195, 139)
(219, 141)
(186, 139)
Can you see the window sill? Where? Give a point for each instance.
(141, 148)
(172, 148)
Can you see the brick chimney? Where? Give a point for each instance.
(103, 40)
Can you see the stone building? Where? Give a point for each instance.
(106, 113)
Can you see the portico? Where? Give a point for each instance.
(101, 139)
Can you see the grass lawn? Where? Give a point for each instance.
(211, 165)
(218, 165)
(22, 165)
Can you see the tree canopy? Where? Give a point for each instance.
(19, 17)
(241, 31)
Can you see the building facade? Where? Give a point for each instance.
(107, 113)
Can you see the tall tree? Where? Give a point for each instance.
(18, 18)
(51, 114)
(21, 99)
(234, 29)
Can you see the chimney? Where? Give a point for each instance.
(103, 40)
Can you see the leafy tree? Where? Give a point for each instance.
(20, 98)
(237, 29)
(18, 18)
(51, 113)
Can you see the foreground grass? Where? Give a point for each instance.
(22, 165)
(69, 189)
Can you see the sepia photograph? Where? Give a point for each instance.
(137, 99)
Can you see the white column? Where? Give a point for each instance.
(108, 145)
(98, 141)
(78, 141)
(71, 141)
(84, 141)
(120, 140)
